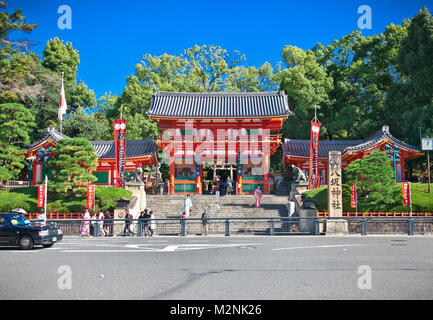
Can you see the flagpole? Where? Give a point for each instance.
(61, 114)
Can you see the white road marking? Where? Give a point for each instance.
(325, 246)
(170, 248)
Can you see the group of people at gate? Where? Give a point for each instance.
(146, 219)
(91, 221)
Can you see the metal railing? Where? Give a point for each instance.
(10, 184)
(249, 226)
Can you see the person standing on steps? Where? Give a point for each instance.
(187, 206)
(258, 196)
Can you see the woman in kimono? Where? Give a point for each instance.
(85, 231)
(101, 224)
(258, 196)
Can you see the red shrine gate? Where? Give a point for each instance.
(209, 129)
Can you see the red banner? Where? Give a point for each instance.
(120, 148)
(406, 193)
(41, 196)
(90, 197)
(354, 197)
(314, 181)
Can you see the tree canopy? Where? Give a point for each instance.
(357, 83)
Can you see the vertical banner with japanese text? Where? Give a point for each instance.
(314, 180)
(406, 194)
(335, 191)
(41, 196)
(90, 197)
(353, 201)
(120, 150)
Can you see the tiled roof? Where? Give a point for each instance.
(219, 105)
(51, 133)
(105, 149)
(301, 148)
(134, 148)
(380, 135)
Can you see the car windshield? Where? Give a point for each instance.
(16, 220)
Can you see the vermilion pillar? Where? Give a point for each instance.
(266, 174)
(171, 184)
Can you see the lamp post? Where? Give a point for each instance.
(394, 156)
(30, 160)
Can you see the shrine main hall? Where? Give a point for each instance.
(228, 135)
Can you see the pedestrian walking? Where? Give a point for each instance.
(152, 223)
(85, 228)
(101, 223)
(204, 222)
(107, 225)
(258, 196)
(187, 205)
(144, 219)
(93, 223)
(127, 228)
(185, 221)
(42, 218)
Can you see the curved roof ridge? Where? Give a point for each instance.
(267, 104)
(380, 135)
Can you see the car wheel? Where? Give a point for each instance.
(48, 245)
(26, 242)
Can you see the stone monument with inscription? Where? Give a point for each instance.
(335, 196)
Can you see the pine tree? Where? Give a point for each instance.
(72, 165)
(374, 179)
(16, 123)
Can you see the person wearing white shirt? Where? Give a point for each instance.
(187, 205)
(42, 218)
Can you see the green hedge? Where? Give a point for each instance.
(26, 198)
(422, 201)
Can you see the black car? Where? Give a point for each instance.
(16, 230)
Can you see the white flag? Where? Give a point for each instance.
(62, 103)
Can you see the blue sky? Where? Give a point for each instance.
(112, 36)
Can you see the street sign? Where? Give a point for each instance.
(427, 143)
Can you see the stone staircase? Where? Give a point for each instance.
(234, 206)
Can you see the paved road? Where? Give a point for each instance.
(226, 268)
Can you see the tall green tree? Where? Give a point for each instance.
(16, 123)
(411, 98)
(80, 124)
(14, 21)
(307, 85)
(61, 57)
(252, 79)
(74, 159)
